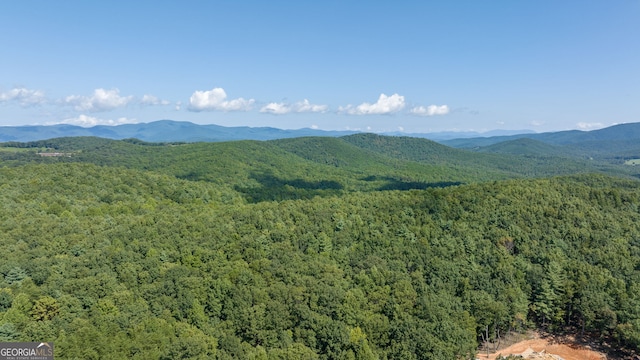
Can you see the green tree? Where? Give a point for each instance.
(45, 308)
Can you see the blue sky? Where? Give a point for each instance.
(411, 66)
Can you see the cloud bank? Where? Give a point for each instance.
(24, 97)
(89, 121)
(300, 107)
(101, 100)
(216, 99)
(430, 110)
(384, 105)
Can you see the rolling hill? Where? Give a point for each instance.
(310, 166)
(613, 144)
(621, 132)
(361, 246)
(526, 147)
(300, 167)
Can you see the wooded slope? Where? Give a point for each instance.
(109, 262)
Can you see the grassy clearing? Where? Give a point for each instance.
(16, 149)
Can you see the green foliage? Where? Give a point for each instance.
(303, 168)
(45, 308)
(188, 268)
(521, 157)
(15, 275)
(6, 298)
(8, 332)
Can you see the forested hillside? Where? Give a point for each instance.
(613, 145)
(259, 170)
(612, 134)
(534, 159)
(311, 165)
(257, 250)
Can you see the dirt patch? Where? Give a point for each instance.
(566, 347)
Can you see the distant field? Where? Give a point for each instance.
(15, 149)
(632, 162)
(11, 149)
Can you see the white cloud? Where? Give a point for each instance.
(25, 97)
(305, 106)
(216, 99)
(89, 121)
(153, 100)
(276, 108)
(430, 110)
(589, 126)
(384, 105)
(299, 107)
(101, 100)
(178, 105)
(537, 123)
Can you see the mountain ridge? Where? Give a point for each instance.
(627, 131)
(185, 131)
(158, 131)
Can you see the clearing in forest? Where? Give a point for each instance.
(538, 346)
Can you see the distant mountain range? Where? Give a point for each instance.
(618, 141)
(182, 131)
(158, 131)
(411, 156)
(621, 132)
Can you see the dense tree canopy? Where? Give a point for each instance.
(110, 262)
